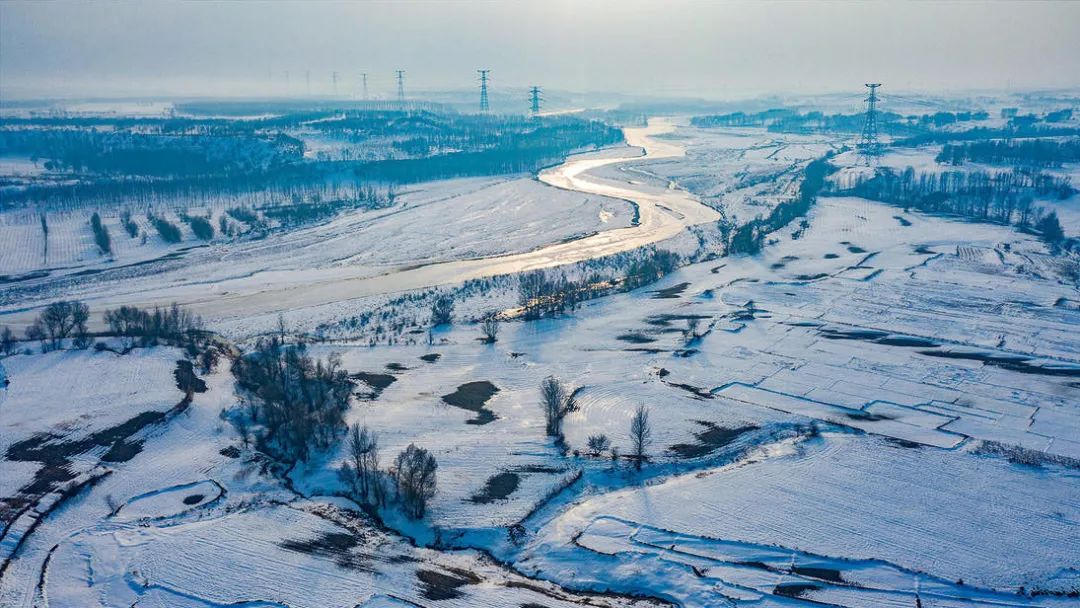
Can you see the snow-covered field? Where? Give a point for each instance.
(882, 409)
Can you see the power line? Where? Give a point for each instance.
(483, 89)
(868, 146)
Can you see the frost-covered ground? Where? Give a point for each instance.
(880, 412)
(431, 222)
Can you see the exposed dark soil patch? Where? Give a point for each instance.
(635, 338)
(665, 320)
(193, 499)
(852, 334)
(472, 396)
(867, 416)
(1016, 363)
(377, 382)
(670, 292)
(439, 586)
(123, 451)
(498, 487)
(186, 380)
(908, 341)
(903, 221)
(794, 589)
(708, 440)
(749, 312)
(430, 357)
(337, 546)
(663, 373)
(696, 391)
(7, 278)
(55, 454)
(537, 468)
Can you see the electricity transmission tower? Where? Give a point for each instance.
(868, 146)
(333, 79)
(483, 89)
(401, 88)
(535, 99)
(363, 79)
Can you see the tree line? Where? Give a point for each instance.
(1023, 152)
(1005, 197)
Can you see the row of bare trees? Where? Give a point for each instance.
(412, 480)
(557, 400)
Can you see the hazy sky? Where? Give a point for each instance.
(716, 49)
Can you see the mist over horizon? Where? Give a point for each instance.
(640, 49)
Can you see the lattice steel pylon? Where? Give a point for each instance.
(483, 90)
(869, 147)
(534, 100)
(401, 88)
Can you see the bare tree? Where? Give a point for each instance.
(489, 327)
(58, 321)
(7, 341)
(442, 311)
(640, 435)
(555, 398)
(364, 458)
(416, 469)
(598, 444)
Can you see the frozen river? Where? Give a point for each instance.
(662, 213)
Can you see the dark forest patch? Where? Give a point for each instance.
(193, 499)
(473, 396)
(831, 256)
(903, 221)
(396, 367)
(430, 357)
(856, 249)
